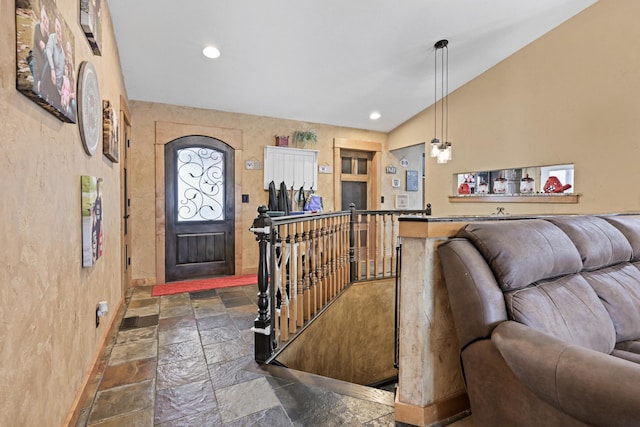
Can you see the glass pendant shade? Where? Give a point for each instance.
(435, 143)
(444, 155)
(448, 151)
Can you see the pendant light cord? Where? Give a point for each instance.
(442, 98)
(446, 131)
(435, 96)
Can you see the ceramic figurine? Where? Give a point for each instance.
(553, 185)
(500, 185)
(527, 185)
(483, 187)
(464, 188)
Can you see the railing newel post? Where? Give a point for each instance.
(352, 243)
(264, 333)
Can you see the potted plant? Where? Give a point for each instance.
(304, 137)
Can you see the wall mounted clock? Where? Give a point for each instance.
(89, 108)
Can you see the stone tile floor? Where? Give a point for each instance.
(187, 360)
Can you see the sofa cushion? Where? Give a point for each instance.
(600, 244)
(629, 225)
(630, 346)
(626, 355)
(521, 252)
(566, 308)
(619, 290)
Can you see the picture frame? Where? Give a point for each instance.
(110, 140)
(412, 180)
(89, 108)
(402, 201)
(92, 223)
(45, 58)
(91, 23)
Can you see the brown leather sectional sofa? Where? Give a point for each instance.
(547, 312)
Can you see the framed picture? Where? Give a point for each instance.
(412, 180)
(402, 201)
(45, 58)
(110, 146)
(90, 20)
(92, 231)
(89, 108)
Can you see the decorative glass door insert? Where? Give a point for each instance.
(201, 184)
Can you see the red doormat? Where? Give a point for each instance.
(203, 284)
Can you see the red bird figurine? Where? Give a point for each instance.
(553, 185)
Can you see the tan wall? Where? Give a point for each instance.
(352, 340)
(257, 131)
(569, 97)
(48, 337)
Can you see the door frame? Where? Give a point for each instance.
(374, 175)
(166, 132)
(125, 245)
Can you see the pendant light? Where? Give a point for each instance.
(441, 148)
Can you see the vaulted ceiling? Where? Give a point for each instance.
(320, 61)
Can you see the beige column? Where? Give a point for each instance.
(430, 385)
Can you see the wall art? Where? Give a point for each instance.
(110, 143)
(91, 22)
(89, 108)
(412, 180)
(45, 58)
(92, 210)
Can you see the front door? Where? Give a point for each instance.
(199, 208)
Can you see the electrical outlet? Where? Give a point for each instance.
(245, 198)
(381, 199)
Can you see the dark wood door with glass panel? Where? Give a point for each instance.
(354, 192)
(354, 176)
(199, 208)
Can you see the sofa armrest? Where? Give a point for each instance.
(593, 387)
(477, 303)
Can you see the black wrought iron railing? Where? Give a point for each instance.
(307, 260)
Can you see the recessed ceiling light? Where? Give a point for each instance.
(375, 115)
(211, 52)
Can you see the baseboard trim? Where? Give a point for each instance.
(438, 411)
(78, 405)
(143, 281)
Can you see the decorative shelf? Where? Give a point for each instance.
(515, 198)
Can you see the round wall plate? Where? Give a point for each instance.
(89, 108)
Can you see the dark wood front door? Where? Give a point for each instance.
(199, 208)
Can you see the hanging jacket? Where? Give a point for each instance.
(302, 200)
(273, 197)
(284, 203)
